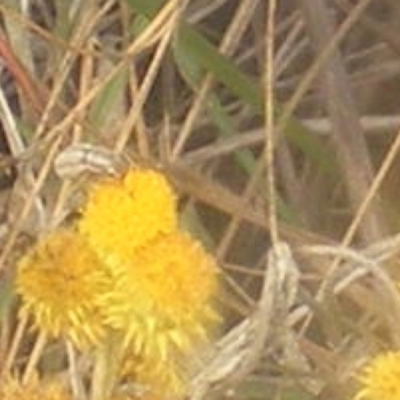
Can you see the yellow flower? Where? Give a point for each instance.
(163, 299)
(122, 214)
(59, 281)
(380, 379)
(12, 389)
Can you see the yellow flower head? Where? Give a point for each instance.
(380, 378)
(12, 389)
(163, 298)
(122, 214)
(59, 280)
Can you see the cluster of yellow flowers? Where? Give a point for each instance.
(126, 273)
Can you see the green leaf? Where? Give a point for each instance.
(196, 52)
(6, 294)
(149, 8)
(108, 102)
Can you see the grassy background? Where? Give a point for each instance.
(184, 90)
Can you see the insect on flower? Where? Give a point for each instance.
(79, 164)
(82, 158)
